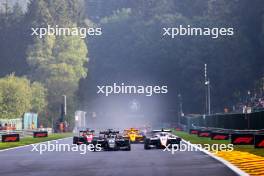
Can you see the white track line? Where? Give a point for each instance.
(225, 162)
(32, 144)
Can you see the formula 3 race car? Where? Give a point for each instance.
(112, 140)
(134, 135)
(161, 139)
(84, 137)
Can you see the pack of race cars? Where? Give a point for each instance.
(114, 140)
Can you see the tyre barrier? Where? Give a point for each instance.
(242, 139)
(16, 135)
(259, 141)
(38, 134)
(238, 137)
(10, 138)
(193, 131)
(203, 133)
(219, 136)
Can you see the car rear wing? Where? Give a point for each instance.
(131, 129)
(109, 132)
(86, 131)
(162, 130)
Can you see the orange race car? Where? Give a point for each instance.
(134, 135)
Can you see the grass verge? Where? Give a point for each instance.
(194, 139)
(31, 140)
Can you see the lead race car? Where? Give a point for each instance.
(84, 137)
(112, 140)
(161, 139)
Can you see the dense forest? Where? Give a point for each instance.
(131, 49)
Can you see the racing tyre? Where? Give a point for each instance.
(146, 144)
(128, 148)
(75, 140)
(116, 148)
(94, 145)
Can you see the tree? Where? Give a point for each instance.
(38, 100)
(18, 95)
(55, 12)
(138, 48)
(59, 62)
(11, 61)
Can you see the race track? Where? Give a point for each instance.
(137, 162)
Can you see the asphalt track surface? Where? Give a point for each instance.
(137, 162)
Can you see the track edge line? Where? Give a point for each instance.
(221, 160)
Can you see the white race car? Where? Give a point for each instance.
(161, 139)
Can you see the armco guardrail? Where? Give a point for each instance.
(224, 130)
